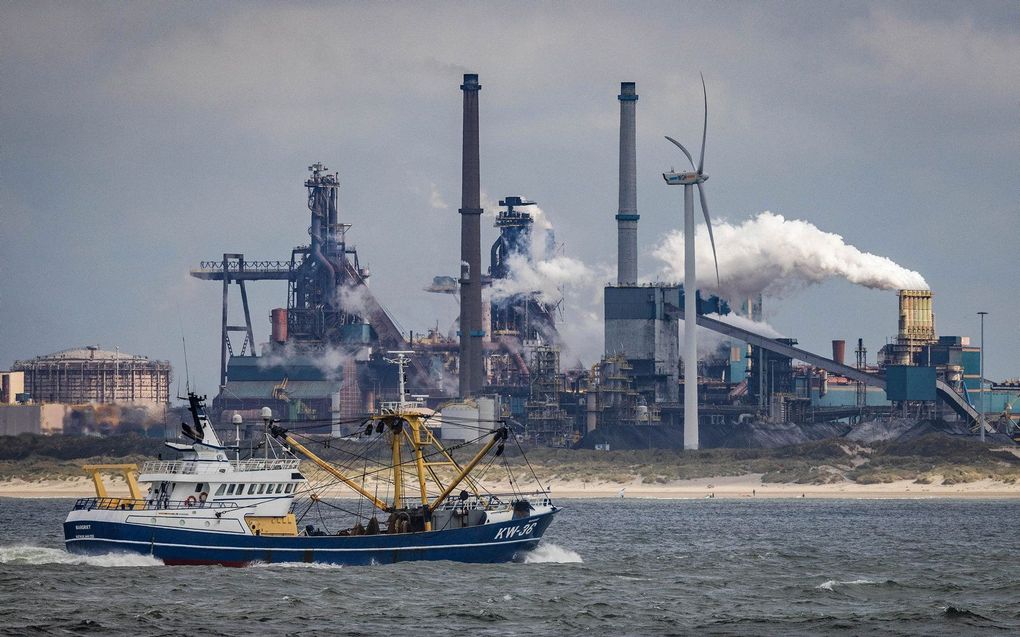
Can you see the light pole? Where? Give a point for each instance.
(981, 379)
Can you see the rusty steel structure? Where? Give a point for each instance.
(328, 300)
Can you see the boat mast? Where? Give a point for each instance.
(398, 470)
(419, 460)
(396, 428)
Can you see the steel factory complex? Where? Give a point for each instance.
(328, 360)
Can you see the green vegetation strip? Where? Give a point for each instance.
(929, 459)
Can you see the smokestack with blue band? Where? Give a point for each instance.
(472, 372)
(627, 216)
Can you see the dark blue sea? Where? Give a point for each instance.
(607, 567)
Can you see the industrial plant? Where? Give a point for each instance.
(84, 389)
(328, 360)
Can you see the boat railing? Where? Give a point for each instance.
(217, 466)
(265, 464)
(492, 501)
(129, 504)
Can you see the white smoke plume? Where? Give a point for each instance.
(436, 198)
(772, 255)
(710, 343)
(546, 278)
(355, 299)
(331, 361)
(553, 277)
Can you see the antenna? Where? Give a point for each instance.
(187, 373)
(401, 361)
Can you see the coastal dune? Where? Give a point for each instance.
(744, 486)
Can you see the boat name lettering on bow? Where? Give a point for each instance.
(514, 531)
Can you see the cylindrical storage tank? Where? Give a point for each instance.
(279, 322)
(488, 412)
(839, 351)
(460, 421)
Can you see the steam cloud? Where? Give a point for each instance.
(772, 255)
(552, 278)
(331, 361)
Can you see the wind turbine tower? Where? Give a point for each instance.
(689, 179)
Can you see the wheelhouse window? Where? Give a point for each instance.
(199, 487)
(262, 489)
(251, 489)
(290, 488)
(222, 488)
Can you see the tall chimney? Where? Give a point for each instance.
(627, 216)
(839, 351)
(472, 372)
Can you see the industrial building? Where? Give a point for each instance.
(93, 375)
(12, 388)
(327, 362)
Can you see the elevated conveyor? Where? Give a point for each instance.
(957, 403)
(947, 393)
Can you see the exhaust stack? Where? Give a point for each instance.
(627, 216)
(472, 372)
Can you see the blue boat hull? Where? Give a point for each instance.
(489, 543)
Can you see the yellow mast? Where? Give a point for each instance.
(328, 468)
(395, 421)
(419, 459)
(398, 469)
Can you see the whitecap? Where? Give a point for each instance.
(829, 584)
(549, 552)
(39, 555)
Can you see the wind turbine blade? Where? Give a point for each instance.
(681, 147)
(704, 128)
(711, 237)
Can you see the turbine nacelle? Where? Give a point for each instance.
(688, 178)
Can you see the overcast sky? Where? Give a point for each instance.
(139, 139)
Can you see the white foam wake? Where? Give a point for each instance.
(828, 585)
(549, 552)
(319, 565)
(38, 555)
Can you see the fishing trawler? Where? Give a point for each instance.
(208, 508)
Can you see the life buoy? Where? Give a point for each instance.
(190, 501)
(202, 497)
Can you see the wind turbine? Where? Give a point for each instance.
(690, 179)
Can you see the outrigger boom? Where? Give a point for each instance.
(396, 428)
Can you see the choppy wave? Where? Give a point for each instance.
(831, 584)
(39, 555)
(549, 552)
(962, 613)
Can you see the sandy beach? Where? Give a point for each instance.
(746, 486)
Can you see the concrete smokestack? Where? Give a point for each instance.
(627, 216)
(472, 372)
